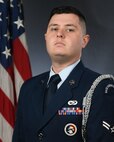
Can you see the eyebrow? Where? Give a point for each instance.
(71, 25)
(52, 25)
(67, 25)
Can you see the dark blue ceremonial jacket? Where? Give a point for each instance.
(63, 120)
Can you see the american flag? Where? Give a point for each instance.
(14, 63)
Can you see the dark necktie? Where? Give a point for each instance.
(51, 89)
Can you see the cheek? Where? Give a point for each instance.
(75, 46)
(49, 44)
(49, 39)
(74, 42)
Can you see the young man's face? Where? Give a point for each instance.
(65, 38)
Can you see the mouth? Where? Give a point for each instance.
(59, 44)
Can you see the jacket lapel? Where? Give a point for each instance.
(63, 94)
(38, 95)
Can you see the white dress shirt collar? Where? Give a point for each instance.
(64, 73)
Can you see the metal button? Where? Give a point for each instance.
(40, 136)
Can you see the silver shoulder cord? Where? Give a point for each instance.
(88, 98)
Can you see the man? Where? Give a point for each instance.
(80, 91)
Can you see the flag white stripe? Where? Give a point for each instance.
(22, 38)
(6, 84)
(6, 130)
(18, 81)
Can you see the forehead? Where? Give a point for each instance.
(64, 19)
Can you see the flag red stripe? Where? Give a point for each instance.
(11, 73)
(7, 109)
(20, 54)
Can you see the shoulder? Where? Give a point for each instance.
(89, 76)
(97, 79)
(37, 77)
(87, 72)
(105, 81)
(90, 73)
(35, 80)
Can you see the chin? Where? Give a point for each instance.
(59, 58)
(59, 55)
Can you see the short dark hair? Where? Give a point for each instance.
(68, 10)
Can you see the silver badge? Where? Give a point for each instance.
(70, 129)
(72, 102)
(72, 82)
(112, 129)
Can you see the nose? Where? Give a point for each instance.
(60, 34)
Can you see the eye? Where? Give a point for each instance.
(53, 28)
(70, 30)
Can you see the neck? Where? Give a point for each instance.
(58, 67)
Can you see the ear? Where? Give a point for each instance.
(85, 41)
